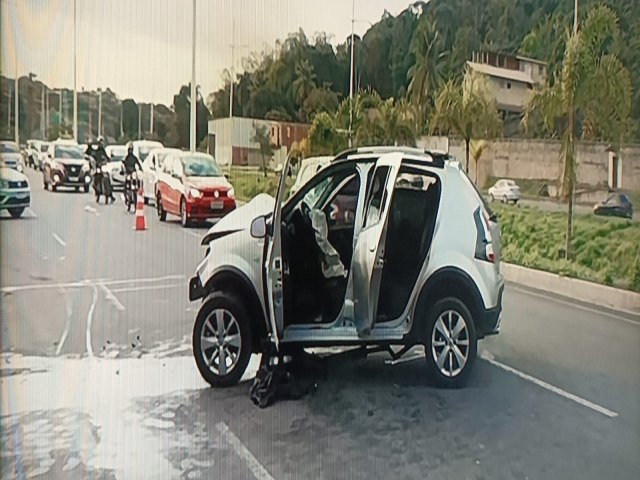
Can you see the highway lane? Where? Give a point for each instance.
(555, 395)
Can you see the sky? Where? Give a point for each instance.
(141, 49)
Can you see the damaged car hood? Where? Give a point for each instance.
(241, 218)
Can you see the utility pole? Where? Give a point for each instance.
(60, 112)
(75, 79)
(192, 132)
(151, 119)
(99, 111)
(42, 112)
(16, 109)
(139, 121)
(353, 20)
(121, 124)
(9, 108)
(233, 65)
(575, 17)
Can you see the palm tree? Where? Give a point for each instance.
(467, 110)
(426, 73)
(590, 99)
(305, 80)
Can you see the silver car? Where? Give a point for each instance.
(386, 246)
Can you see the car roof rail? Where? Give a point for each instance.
(438, 157)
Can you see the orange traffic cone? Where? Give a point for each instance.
(140, 224)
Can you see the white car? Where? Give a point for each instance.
(66, 166)
(116, 155)
(309, 167)
(150, 168)
(418, 263)
(505, 191)
(142, 148)
(10, 156)
(36, 152)
(15, 193)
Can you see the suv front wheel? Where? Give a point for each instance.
(451, 343)
(222, 340)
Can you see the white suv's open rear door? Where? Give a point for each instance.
(273, 261)
(368, 254)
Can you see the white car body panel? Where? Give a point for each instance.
(19, 196)
(505, 189)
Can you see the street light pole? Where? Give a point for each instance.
(353, 13)
(16, 108)
(151, 119)
(192, 133)
(99, 111)
(75, 85)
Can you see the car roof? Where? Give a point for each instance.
(436, 158)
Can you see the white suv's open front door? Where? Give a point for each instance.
(368, 254)
(273, 261)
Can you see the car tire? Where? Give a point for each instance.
(46, 185)
(146, 201)
(54, 188)
(222, 307)
(162, 213)
(184, 219)
(448, 368)
(86, 189)
(16, 212)
(77, 189)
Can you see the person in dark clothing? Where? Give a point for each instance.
(130, 165)
(99, 158)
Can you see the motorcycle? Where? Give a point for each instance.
(102, 184)
(132, 184)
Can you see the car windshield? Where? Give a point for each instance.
(69, 151)
(200, 166)
(510, 183)
(9, 148)
(144, 152)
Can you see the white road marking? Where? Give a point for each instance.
(59, 240)
(151, 287)
(576, 305)
(405, 359)
(558, 391)
(62, 258)
(111, 297)
(90, 321)
(89, 208)
(31, 212)
(67, 325)
(259, 472)
(122, 197)
(88, 283)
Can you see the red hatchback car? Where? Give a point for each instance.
(192, 186)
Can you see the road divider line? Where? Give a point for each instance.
(59, 240)
(88, 283)
(258, 471)
(552, 388)
(67, 325)
(150, 287)
(90, 321)
(111, 297)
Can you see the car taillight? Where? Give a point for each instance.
(484, 245)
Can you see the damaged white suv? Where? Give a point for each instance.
(387, 247)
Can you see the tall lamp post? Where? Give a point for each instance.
(192, 132)
(75, 85)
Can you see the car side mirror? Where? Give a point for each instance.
(259, 227)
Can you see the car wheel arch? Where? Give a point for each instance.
(234, 281)
(447, 282)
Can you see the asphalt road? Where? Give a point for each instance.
(97, 378)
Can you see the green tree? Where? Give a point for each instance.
(591, 98)
(182, 108)
(467, 110)
(426, 74)
(319, 100)
(304, 82)
(262, 138)
(325, 138)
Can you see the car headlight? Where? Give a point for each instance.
(231, 193)
(195, 193)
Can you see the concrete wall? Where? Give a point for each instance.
(512, 99)
(540, 160)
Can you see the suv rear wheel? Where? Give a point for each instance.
(222, 339)
(451, 343)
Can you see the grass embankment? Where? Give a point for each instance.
(250, 182)
(606, 250)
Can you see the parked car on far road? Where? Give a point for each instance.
(615, 205)
(505, 190)
(192, 186)
(142, 148)
(15, 193)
